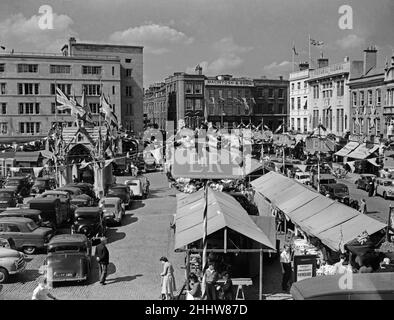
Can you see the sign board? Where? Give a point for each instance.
(304, 267)
(282, 140)
(232, 83)
(315, 144)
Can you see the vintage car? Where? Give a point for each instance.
(64, 197)
(33, 214)
(52, 211)
(75, 192)
(324, 179)
(69, 258)
(25, 233)
(42, 184)
(364, 182)
(9, 198)
(139, 186)
(302, 177)
(11, 262)
(79, 202)
(121, 191)
(384, 188)
(336, 191)
(86, 188)
(113, 210)
(88, 221)
(20, 185)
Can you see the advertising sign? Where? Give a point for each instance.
(314, 144)
(233, 83)
(304, 267)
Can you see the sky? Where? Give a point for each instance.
(244, 38)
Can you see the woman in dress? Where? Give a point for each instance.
(168, 280)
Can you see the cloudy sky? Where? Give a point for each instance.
(239, 37)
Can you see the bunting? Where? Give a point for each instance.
(110, 116)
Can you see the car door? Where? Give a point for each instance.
(13, 231)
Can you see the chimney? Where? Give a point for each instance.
(303, 66)
(370, 59)
(198, 70)
(71, 42)
(347, 59)
(322, 62)
(280, 78)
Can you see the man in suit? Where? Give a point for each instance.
(102, 256)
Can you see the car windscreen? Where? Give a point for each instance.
(50, 195)
(39, 183)
(303, 177)
(61, 248)
(87, 217)
(32, 225)
(387, 183)
(327, 181)
(116, 191)
(341, 190)
(133, 184)
(109, 205)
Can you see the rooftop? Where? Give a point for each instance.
(61, 56)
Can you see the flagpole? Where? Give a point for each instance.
(309, 46)
(293, 55)
(205, 232)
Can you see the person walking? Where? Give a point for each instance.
(363, 206)
(226, 289)
(371, 190)
(168, 280)
(41, 292)
(285, 262)
(102, 256)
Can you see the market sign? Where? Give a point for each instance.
(232, 83)
(282, 140)
(304, 267)
(314, 144)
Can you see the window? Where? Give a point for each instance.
(113, 70)
(189, 88)
(316, 91)
(211, 93)
(129, 109)
(28, 127)
(28, 88)
(197, 88)
(53, 68)
(292, 103)
(94, 108)
(189, 104)
(280, 108)
(292, 123)
(378, 96)
(13, 228)
(128, 60)
(260, 92)
(271, 93)
(354, 98)
(3, 128)
(370, 97)
(292, 87)
(298, 124)
(305, 85)
(362, 97)
(3, 87)
(91, 89)
(91, 70)
(377, 120)
(280, 94)
(340, 88)
(305, 124)
(2, 67)
(53, 108)
(65, 87)
(229, 93)
(27, 67)
(129, 91)
(306, 103)
(198, 105)
(3, 108)
(270, 108)
(113, 89)
(128, 73)
(29, 108)
(221, 94)
(299, 103)
(298, 85)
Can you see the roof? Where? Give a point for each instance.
(7, 190)
(222, 211)
(25, 156)
(362, 152)
(20, 211)
(110, 199)
(15, 219)
(68, 238)
(334, 223)
(55, 192)
(16, 178)
(363, 283)
(7, 155)
(333, 185)
(347, 149)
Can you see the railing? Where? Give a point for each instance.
(50, 54)
(333, 69)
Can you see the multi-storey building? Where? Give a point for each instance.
(270, 97)
(131, 77)
(329, 96)
(155, 101)
(27, 91)
(299, 112)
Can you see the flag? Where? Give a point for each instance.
(253, 100)
(107, 162)
(109, 152)
(67, 103)
(316, 43)
(88, 113)
(245, 105)
(329, 108)
(294, 50)
(110, 116)
(236, 99)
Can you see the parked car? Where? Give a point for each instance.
(384, 188)
(88, 221)
(302, 177)
(20, 185)
(64, 197)
(113, 210)
(139, 186)
(11, 262)
(86, 188)
(7, 243)
(69, 257)
(364, 181)
(324, 179)
(9, 198)
(121, 191)
(42, 184)
(25, 233)
(79, 202)
(336, 191)
(76, 192)
(52, 211)
(33, 214)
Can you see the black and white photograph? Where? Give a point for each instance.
(217, 150)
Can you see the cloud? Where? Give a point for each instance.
(154, 37)
(223, 64)
(24, 34)
(227, 45)
(351, 41)
(274, 69)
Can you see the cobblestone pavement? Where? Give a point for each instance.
(135, 249)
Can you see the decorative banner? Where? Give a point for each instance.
(282, 140)
(314, 144)
(37, 170)
(107, 162)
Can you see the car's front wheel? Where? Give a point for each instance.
(3, 275)
(385, 196)
(29, 250)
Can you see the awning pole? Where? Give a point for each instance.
(205, 218)
(261, 276)
(225, 240)
(187, 268)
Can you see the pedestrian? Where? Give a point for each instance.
(363, 206)
(371, 190)
(41, 292)
(339, 267)
(195, 292)
(168, 280)
(102, 256)
(210, 277)
(226, 289)
(285, 262)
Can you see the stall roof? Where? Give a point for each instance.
(25, 156)
(223, 211)
(332, 222)
(352, 145)
(362, 152)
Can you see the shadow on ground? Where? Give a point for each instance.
(123, 279)
(137, 204)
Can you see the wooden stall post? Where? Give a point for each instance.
(187, 268)
(225, 240)
(261, 276)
